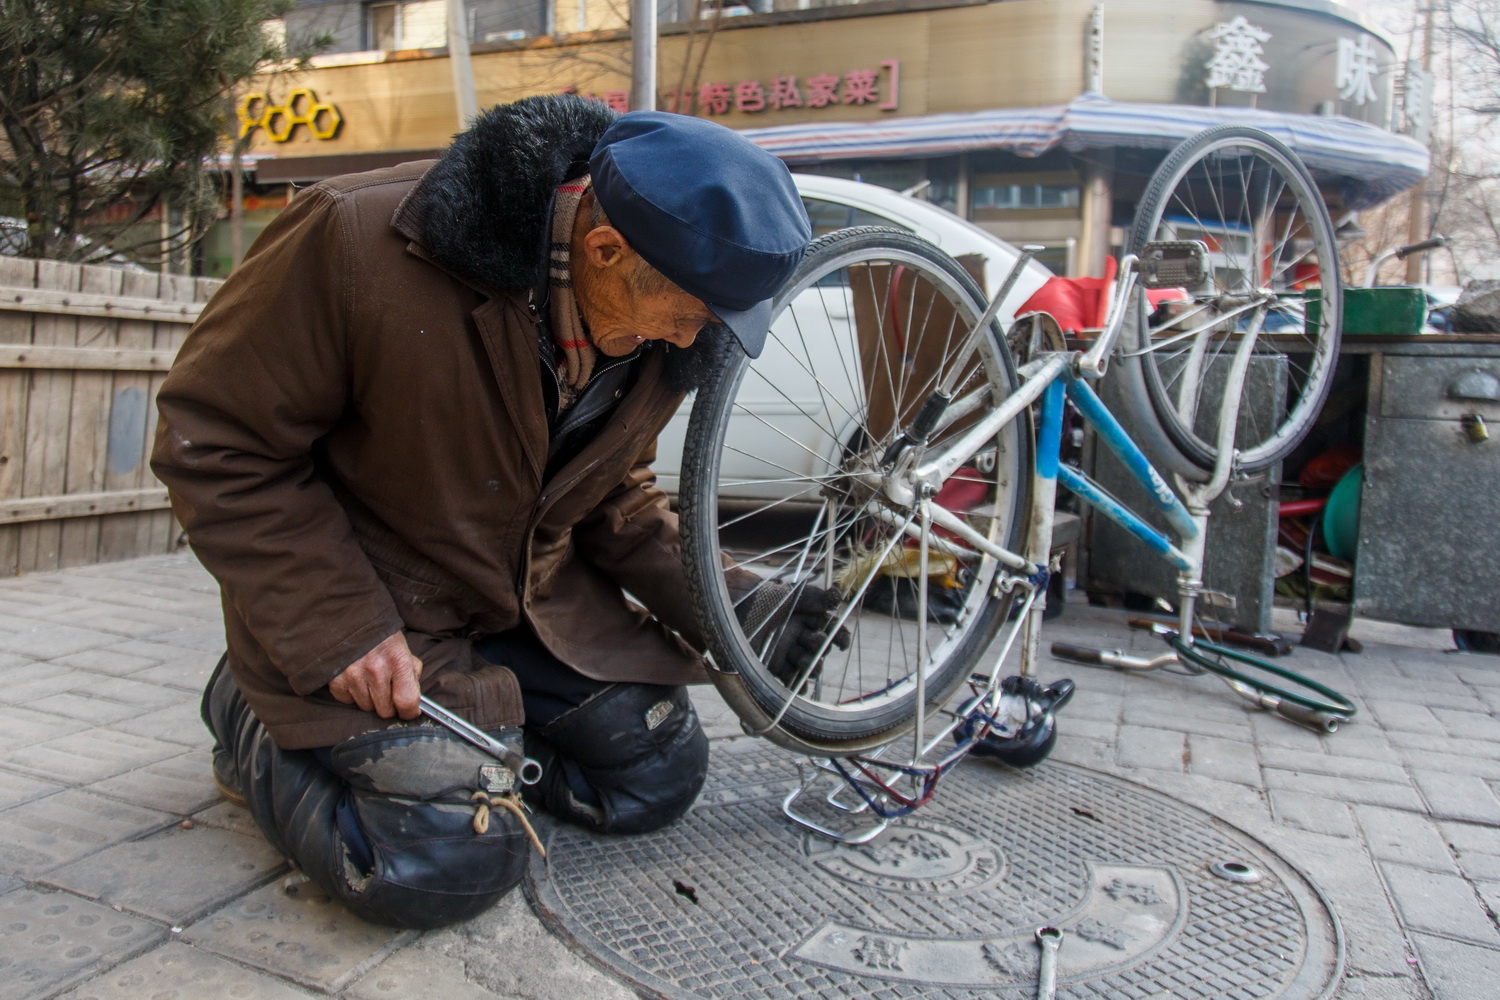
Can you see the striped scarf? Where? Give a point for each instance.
(577, 355)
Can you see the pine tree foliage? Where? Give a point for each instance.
(112, 109)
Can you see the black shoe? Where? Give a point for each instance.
(226, 780)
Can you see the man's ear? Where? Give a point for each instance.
(605, 246)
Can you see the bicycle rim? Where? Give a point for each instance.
(1255, 206)
(778, 472)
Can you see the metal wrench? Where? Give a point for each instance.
(524, 768)
(1048, 939)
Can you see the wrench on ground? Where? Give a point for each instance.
(1048, 939)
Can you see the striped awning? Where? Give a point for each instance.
(1364, 163)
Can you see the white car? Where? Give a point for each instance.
(835, 203)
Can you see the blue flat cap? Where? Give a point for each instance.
(706, 207)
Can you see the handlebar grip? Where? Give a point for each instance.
(1411, 248)
(1325, 722)
(1078, 654)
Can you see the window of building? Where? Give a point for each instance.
(1018, 196)
(417, 24)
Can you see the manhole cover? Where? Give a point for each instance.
(736, 901)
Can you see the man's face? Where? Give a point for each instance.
(621, 317)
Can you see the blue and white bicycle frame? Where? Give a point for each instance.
(993, 709)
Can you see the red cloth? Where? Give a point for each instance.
(1078, 304)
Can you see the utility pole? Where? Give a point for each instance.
(1098, 170)
(463, 68)
(1418, 225)
(642, 55)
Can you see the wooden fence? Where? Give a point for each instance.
(83, 351)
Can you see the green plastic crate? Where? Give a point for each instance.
(1394, 311)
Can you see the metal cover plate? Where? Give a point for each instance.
(736, 901)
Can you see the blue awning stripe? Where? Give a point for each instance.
(1367, 164)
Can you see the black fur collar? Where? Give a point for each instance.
(482, 211)
(482, 208)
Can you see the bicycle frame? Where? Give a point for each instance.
(1050, 378)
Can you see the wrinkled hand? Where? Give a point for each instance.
(383, 681)
(803, 621)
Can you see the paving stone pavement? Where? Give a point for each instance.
(122, 875)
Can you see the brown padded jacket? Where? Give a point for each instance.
(354, 437)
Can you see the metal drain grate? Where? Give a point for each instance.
(735, 901)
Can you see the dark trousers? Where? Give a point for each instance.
(385, 823)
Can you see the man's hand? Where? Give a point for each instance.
(383, 681)
(799, 622)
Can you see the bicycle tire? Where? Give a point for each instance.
(1256, 206)
(889, 306)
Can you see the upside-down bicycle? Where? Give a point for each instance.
(922, 494)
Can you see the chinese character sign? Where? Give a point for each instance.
(1355, 71)
(880, 87)
(1237, 63)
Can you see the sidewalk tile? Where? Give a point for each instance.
(174, 876)
(106, 661)
(1480, 671)
(1093, 705)
(1397, 716)
(1489, 894)
(228, 816)
(1458, 796)
(1406, 703)
(411, 972)
(1419, 761)
(84, 707)
(1272, 730)
(508, 951)
(1225, 760)
(305, 937)
(134, 623)
(43, 833)
(1072, 727)
(179, 723)
(1352, 790)
(1360, 738)
(1439, 904)
(42, 640)
(1348, 878)
(1438, 742)
(204, 638)
(1469, 725)
(187, 673)
(1313, 813)
(1072, 749)
(48, 941)
(17, 788)
(1477, 849)
(1159, 749)
(1455, 970)
(1333, 764)
(182, 785)
(24, 686)
(1405, 838)
(179, 972)
(1360, 987)
(88, 756)
(25, 727)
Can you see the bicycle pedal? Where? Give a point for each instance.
(1174, 264)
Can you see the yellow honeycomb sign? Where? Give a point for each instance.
(279, 121)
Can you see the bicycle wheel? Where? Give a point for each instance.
(784, 486)
(1272, 259)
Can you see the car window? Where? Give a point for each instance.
(827, 216)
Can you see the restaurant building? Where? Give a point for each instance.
(1039, 120)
